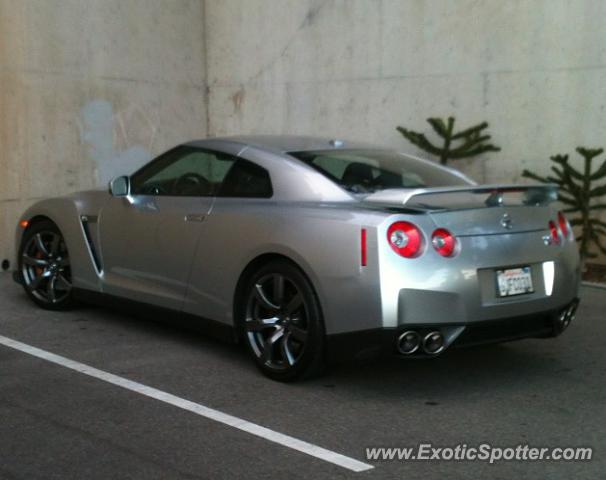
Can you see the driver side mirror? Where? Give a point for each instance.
(119, 186)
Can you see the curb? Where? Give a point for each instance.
(594, 285)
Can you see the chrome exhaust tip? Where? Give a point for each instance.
(563, 319)
(566, 316)
(409, 342)
(572, 311)
(434, 343)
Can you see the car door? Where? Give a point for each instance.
(231, 231)
(149, 237)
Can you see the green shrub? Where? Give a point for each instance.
(580, 191)
(467, 143)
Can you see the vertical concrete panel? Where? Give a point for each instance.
(91, 89)
(357, 69)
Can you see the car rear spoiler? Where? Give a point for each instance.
(535, 194)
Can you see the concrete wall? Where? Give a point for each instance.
(93, 87)
(89, 89)
(534, 69)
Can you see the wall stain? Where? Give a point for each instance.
(238, 99)
(105, 136)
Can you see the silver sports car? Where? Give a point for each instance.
(310, 249)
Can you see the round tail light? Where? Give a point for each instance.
(444, 242)
(553, 230)
(405, 239)
(564, 225)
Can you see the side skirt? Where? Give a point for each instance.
(145, 311)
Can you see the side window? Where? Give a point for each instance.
(183, 172)
(245, 179)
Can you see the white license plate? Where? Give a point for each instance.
(514, 281)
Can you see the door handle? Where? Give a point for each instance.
(194, 217)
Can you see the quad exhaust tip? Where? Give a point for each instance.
(567, 316)
(434, 343)
(409, 342)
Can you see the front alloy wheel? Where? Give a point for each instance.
(45, 266)
(282, 322)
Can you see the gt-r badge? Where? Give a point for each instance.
(506, 221)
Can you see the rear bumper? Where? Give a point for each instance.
(382, 341)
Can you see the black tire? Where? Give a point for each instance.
(284, 333)
(44, 266)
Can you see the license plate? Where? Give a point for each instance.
(514, 281)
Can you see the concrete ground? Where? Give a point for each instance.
(57, 423)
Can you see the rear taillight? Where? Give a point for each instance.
(405, 239)
(564, 225)
(444, 242)
(555, 234)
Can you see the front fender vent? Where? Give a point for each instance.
(89, 226)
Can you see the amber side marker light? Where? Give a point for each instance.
(23, 223)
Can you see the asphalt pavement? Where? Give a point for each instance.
(56, 422)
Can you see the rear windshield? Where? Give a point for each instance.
(367, 171)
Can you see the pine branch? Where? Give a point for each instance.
(569, 169)
(468, 146)
(598, 191)
(595, 236)
(439, 126)
(479, 150)
(471, 131)
(420, 140)
(567, 200)
(590, 153)
(597, 221)
(528, 174)
(558, 172)
(600, 172)
(468, 142)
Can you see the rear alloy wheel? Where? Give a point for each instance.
(282, 323)
(45, 266)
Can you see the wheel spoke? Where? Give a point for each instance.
(278, 289)
(258, 324)
(268, 348)
(34, 262)
(40, 244)
(50, 289)
(298, 333)
(265, 303)
(285, 349)
(54, 247)
(64, 282)
(294, 304)
(37, 281)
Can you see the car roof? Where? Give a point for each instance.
(285, 143)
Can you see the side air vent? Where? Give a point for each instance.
(89, 226)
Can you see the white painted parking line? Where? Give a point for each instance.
(210, 413)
